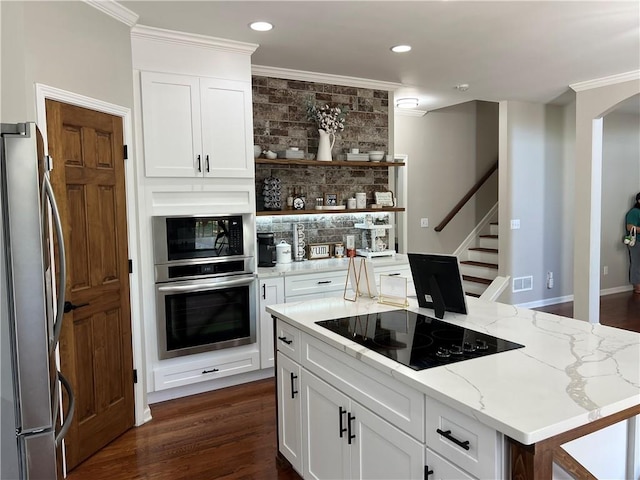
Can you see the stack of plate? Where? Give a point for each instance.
(357, 157)
(291, 154)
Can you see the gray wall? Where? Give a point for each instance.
(533, 178)
(448, 150)
(620, 184)
(67, 45)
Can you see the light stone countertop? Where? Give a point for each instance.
(327, 265)
(569, 373)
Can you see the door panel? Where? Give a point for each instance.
(95, 345)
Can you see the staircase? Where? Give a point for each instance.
(479, 264)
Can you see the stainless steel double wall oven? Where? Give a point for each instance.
(205, 283)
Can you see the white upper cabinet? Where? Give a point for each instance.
(196, 126)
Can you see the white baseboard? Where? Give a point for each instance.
(569, 298)
(194, 389)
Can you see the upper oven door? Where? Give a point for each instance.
(196, 237)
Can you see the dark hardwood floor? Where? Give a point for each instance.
(620, 310)
(231, 433)
(225, 434)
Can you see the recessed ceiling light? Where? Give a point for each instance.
(401, 48)
(407, 103)
(261, 26)
(463, 87)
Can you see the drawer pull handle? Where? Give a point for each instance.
(350, 436)
(447, 434)
(427, 472)
(293, 388)
(324, 282)
(340, 415)
(210, 371)
(285, 340)
(199, 164)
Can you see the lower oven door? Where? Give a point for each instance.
(208, 314)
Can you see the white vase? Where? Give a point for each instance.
(325, 145)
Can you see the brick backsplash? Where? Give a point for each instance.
(318, 228)
(280, 122)
(280, 118)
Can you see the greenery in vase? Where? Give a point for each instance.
(329, 119)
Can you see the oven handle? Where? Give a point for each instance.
(196, 287)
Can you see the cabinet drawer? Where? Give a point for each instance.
(443, 469)
(447, 429)
(288, 340)
(314, 283)
(221, 365)
(394, 401)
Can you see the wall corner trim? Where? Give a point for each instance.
(115, 10)
(316, 77)
(603, 82)
(192, 39)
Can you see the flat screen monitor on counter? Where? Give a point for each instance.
(438, 282)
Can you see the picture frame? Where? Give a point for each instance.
(384, 199)
(331, 199)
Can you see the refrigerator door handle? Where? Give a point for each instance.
(62, 273)
(68, 418)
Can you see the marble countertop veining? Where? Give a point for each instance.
(326, 265)
(570, 372)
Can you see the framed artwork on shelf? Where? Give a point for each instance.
(384, 199)
(331, 199)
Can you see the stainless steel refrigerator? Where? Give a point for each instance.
(33, 424)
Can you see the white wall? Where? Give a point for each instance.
(68, 45)
(449, 150)
(620, 184)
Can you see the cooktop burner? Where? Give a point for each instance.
(416, 340)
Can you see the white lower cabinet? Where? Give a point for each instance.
(343, 439)
(440, 469)
(289, 411)
(271, 293)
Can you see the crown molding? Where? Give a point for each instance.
(192, 39)
(409, 112)
(316, 77)
(605, 81)
(115, 10)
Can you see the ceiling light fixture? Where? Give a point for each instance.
(407, 103)
(463, 87)
(401, 48)
(261, 26)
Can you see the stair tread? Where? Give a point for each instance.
(483, 249)
(471, 294)
(470, 278)
(488, 236)
(480, 264)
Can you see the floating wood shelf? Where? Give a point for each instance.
(334, 163)
(329, 212)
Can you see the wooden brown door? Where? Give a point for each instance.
(95, 344)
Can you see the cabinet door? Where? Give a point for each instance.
(227, 128)
(324, 430)
(381, 451)
(271, 293)
(171, 124)
(289, 412)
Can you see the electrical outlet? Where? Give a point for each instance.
(605, 270)
(515, 224)
(549, 280)
(424, 222)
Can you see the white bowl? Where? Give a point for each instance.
(376, 156)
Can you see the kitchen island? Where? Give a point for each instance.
(570, 379)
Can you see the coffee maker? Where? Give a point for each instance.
(266, 250)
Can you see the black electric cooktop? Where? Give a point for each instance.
(416, 340)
